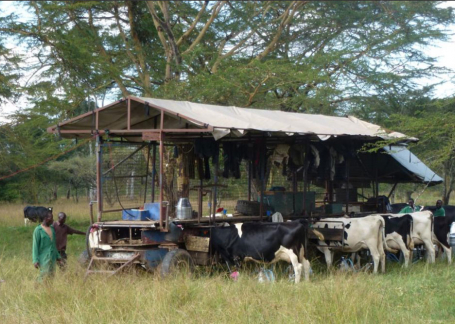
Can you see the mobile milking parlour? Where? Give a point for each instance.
(158, 159)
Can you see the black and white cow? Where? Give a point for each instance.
(359, 233)
(442, 228)
(422, 231)
(35, 213)
(398, 235)
(263, 242)
(441, 232)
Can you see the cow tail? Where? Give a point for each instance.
(382, 235)
(410, 245)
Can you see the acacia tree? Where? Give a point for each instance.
(290, 55)
(321, 57)
(433, 122)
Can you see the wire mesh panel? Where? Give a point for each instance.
(130, 178)
(124, 175)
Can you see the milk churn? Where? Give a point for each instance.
(183, 209)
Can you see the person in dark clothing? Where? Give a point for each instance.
(61, 232)
(439, 211)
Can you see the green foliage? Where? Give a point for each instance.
(433, 122)
(333, 57)
(325, 57)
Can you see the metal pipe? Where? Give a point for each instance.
(161, 172)
(250, 176)
(262, 163)
(376, 184)
(91, 212)
(128, 118)
(392, 190)
(99, 196)
(294, 190)
(215, 187)
(154, 166)
(305, 167)
(119, 209)
(147, 173)
(347, 184)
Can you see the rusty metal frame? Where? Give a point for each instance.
(342, 237)
(206, 127)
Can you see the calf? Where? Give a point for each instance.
(263, 242)
(359, 233)
(34, 214)
(398, 235)
(422, 230)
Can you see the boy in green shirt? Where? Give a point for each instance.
(44, 250)
(411, 208)
(440, 211)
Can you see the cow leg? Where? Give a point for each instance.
(381, 255)
(26, 221)
(375, 254)
(430, 251)
(289, 256)
(328, 256)
(405, 251)
(444, 244)
(448, 252)
(305, 263)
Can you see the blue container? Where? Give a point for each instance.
(153, 209)
(136, 215)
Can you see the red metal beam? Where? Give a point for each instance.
(128, 118)
(161, 173)
(209, 129)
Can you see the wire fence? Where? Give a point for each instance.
(130, 178)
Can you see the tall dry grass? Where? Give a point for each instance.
(421, 294)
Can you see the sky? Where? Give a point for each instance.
(444, 51)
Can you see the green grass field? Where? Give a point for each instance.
(421, 294)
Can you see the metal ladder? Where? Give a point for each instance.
(94, 259)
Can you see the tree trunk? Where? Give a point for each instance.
(183, 161)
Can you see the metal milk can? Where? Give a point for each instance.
(183, 210)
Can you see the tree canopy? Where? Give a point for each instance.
(330, 57)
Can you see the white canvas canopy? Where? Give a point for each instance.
(134, 116)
